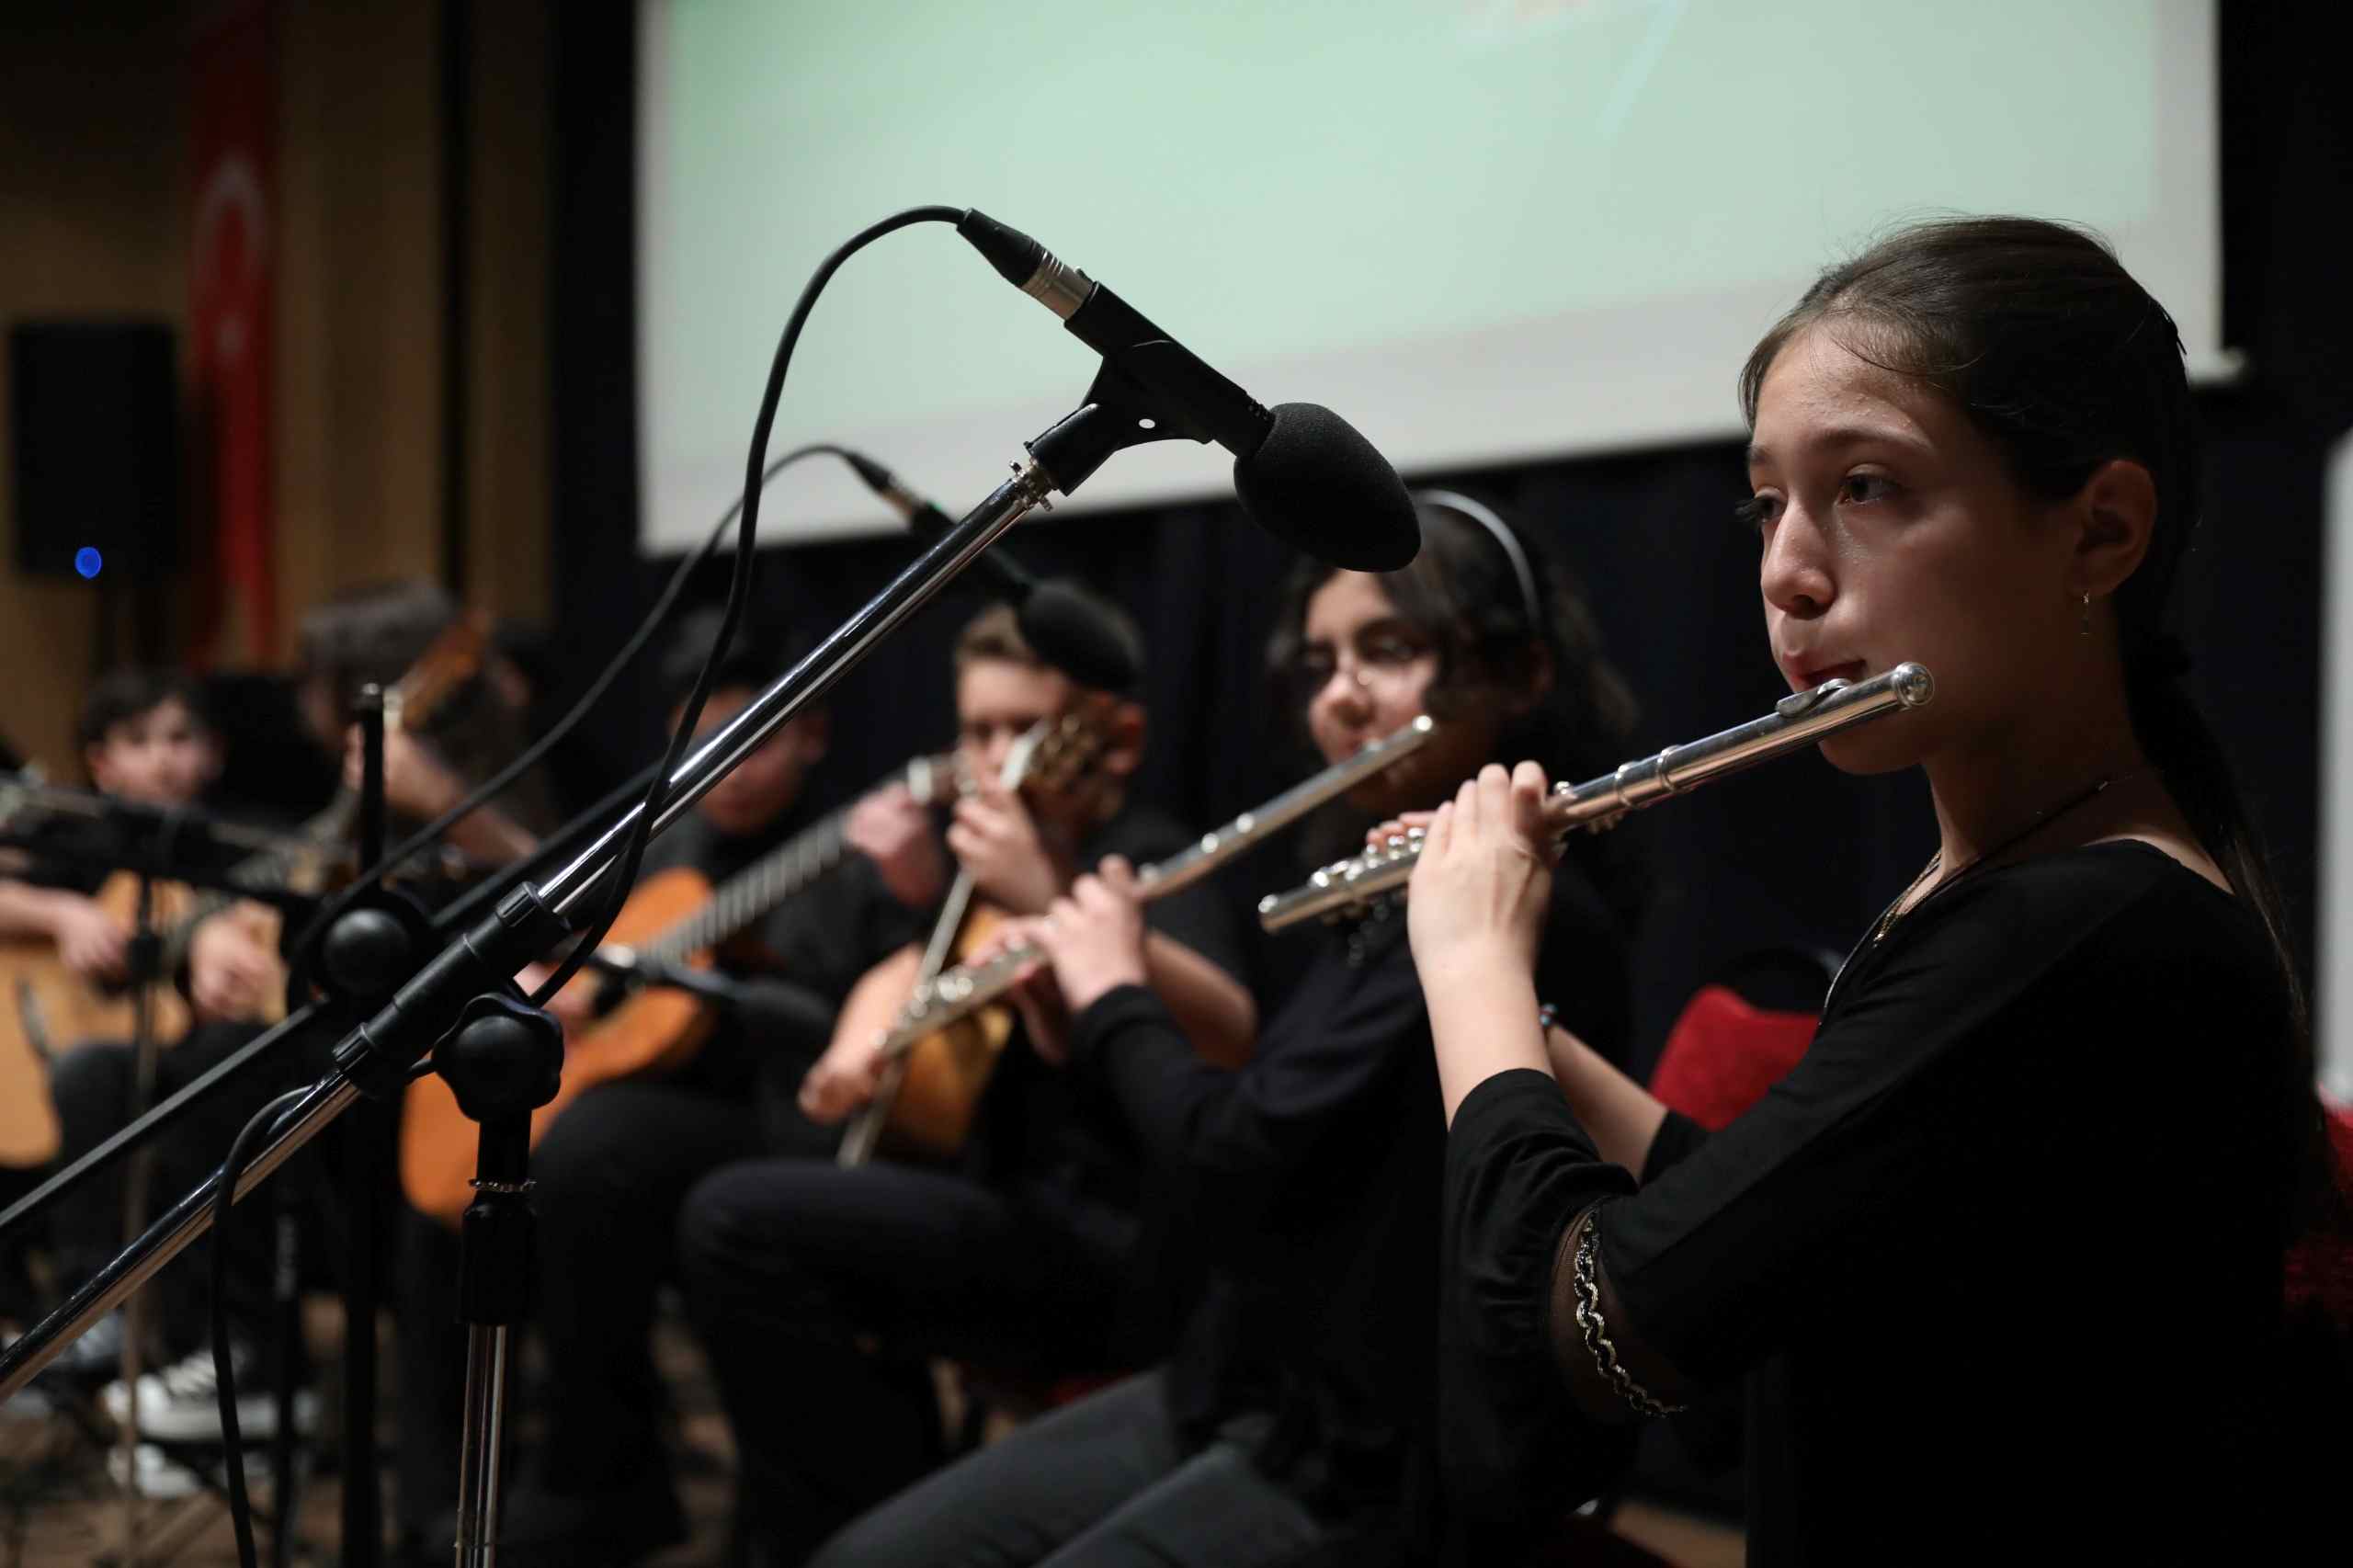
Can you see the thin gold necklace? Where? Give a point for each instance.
(2040, 820)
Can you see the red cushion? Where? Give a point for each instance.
(2320, 1267)
(1724, 1052)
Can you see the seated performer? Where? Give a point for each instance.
(610, 1171)
(144, 739)
(380, 636)
(820, 1291)
(1296, 1417)
(2000, 1259)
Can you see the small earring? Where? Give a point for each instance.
(2088, 614)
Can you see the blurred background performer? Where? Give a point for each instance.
(144, 739)
(1296, 1418)
(2007, 1244)
(380, 636)
(820, 1292)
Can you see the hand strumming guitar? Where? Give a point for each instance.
(91, 942)
(231, 970)
(892, 828)
(842, 1081)
(996, 839)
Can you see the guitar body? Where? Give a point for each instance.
(655, 1030)
(939, 1091)
(33, 981)
(46, 1009)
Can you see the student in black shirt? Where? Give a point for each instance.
(2000, 1258)
(1296, 1420)
(821, 1291)
(144, 739)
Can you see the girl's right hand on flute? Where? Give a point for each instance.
(1482, 881)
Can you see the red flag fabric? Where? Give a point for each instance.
(232, 99)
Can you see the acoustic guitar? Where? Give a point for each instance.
(46, 1008)
(931, 1089)
(675, 915)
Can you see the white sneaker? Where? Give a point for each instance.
(162, 1479)
(181, 1402)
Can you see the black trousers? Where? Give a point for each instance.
(1105, 1482)
(820, 1292)
(91, 1086)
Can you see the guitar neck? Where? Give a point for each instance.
(758, 888)
(789, 869)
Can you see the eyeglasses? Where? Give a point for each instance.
(1380, 657)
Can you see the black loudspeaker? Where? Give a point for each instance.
(95, 447)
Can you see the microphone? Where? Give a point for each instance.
(1071, 629)
(1306, 474)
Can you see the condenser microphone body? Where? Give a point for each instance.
(1305, 475)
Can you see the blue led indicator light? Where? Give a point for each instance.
(88, 561)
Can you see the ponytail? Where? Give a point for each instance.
(2183, 748)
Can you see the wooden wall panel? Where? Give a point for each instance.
(508, 505)
(93, 205)
(359, 299)
(92, 223)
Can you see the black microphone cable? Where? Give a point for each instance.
(504, 780)
(224, 1370)
(624, 871)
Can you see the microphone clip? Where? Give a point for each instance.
(1119, 412)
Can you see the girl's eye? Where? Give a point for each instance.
(1862, 489)
(1312, 666)
(1389, 650)
(1757, 511)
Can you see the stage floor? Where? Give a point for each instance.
(57, 1508)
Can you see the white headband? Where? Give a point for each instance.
(1485, 515)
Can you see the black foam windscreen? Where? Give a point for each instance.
(1317, 483)
(1080, 636)
(94, 445)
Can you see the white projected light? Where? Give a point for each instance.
(2333, 1028)
(1481, 229)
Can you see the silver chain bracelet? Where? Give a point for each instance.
(1597, 1333)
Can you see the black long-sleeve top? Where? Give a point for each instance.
(1308, 1186)
(2001, 1255)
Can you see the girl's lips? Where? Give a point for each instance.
(1810, 679)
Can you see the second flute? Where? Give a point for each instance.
(1798, 719)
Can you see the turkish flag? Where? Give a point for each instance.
(233, 102)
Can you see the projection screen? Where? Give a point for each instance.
(1485, 231)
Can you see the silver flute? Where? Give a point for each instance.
(1799, 720)
(958, 993)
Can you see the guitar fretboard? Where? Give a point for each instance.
(758, 888)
